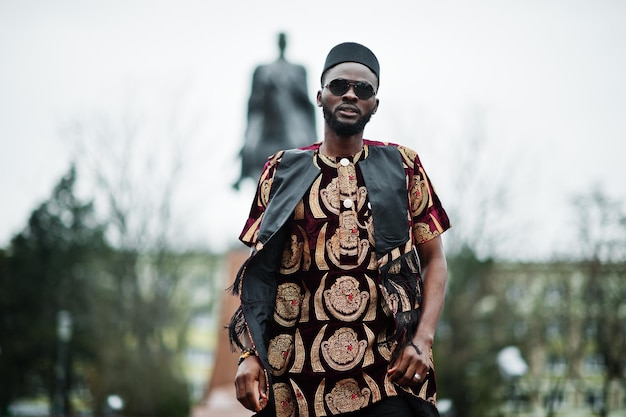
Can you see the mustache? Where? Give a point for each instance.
(348, 107)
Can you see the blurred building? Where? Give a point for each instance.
(569, 321)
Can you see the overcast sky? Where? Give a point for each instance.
(541, 81)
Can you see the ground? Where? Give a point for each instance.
(221, 403)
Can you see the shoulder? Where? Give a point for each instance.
(274, 160)
(269, 168)
(409, 156)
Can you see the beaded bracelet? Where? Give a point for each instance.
(246, 353)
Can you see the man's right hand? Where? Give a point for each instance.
(251, 384)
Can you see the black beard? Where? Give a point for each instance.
(343, 129)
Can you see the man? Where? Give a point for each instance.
(346, 281)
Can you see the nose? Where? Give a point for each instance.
(350, 94)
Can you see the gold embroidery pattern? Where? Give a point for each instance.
(314, 201)
(279, 352)
(296, 255)
(306, 305)
(438, 228)
(418, 195)
(390, 389)
(303, 406)
(316, 363)
(368, 359)
(392, 301)
(298, 212)
(373, 387)
(299, 354)
(408, 155)
(264, 194)
(413, 264)
(347, 179)
(424, 390)
(345, 242)
(369, 226)
(348, 234)
(346, 396)
(405, 302)
(292, 254)
(383, 347)
(253, 231)
(320, 314)
(343, 351)
(330, 196)
(371, 311)
(319, 399)
(344, 300)
(267, 177)
(423, 233)
(319, 250)
(288, 301)
(361, 197)
(395, 253)
(283, 398)
(347, 182)
(343, 190)
(373, 265)
(395, 266)
(306, 254)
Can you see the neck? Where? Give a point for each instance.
(335, 146)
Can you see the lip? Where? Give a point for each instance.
(348, 110)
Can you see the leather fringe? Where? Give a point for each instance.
(402, 284)
(237, 326)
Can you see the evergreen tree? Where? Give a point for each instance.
(47, 268)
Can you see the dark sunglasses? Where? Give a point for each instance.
(339, 87)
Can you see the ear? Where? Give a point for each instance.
(375, 107)
(319, 98)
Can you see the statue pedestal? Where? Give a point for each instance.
(220, 395)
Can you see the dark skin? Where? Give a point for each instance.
(347, 108)
(251, 383)
(250, 380)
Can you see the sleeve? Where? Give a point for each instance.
(261, 199)
(428, 218)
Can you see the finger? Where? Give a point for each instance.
(420, 377)
(252, 399)
(400, 374)
(405, 376)
(246, 393)
(262, 390)
(396, 371)
(240, 393)
(408, 378)
(401, 367)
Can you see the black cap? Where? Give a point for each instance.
(351, 52)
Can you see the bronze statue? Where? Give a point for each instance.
(280, 114)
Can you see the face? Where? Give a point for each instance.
(347, 114)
